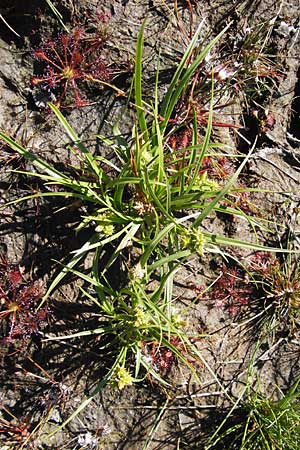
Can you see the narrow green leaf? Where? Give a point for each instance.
(75, 139)
(207, 210)
(138, 83)
(178, 84)
(38, 162)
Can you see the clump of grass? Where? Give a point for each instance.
(253, 59)
(130, 320)
(263, 424)
(251, 66)
(267, 284)
(277, 281)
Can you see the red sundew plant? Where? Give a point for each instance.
(266, 279)
(231, 290)
(19, 319)
(15, 434)
(69, 61)
(162, 358)
(263, 263)
(181, 139)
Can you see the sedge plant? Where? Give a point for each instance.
(260, 423)
(150, 198)
(148, 201)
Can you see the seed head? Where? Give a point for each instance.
(122, 378)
